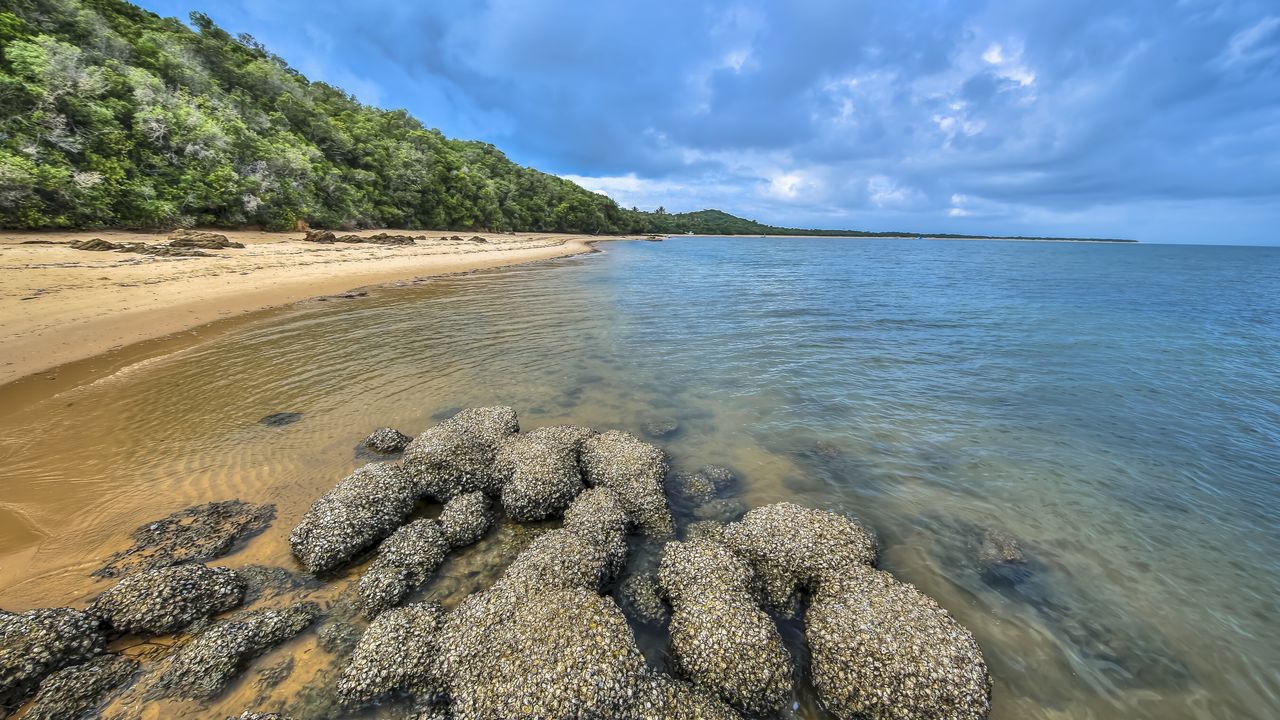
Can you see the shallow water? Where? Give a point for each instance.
(1115, 407)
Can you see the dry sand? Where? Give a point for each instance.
(59, 305)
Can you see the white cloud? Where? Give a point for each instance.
(1251, 44)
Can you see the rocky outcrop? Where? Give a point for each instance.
(202, 240)
(166, 600)
(195, 534)
(36, 643)
(635, 470)
(457, 455)
(382, 238)
(539, 477)
(719, 638)
(387, 441)
(78, 690)
(405, 560)
(364, 508)
(201, 668)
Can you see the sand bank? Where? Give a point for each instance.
(59, 305)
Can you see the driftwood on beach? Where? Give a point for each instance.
(547, 639)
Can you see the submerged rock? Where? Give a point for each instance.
(203, 667)
(661, 428)
(456, 456)
(793, 548)
(337, 637)
(635, 470)
(704, 485)
(405, 560)
(640, 598)
(35, 643)
(881, 649)
(721, 510)
(361, 510)
(196, 534)
(387, 441)
(281, 419)
(719, 639)
(265, 582)
(539, 476)
(163, 601)
(78, 690)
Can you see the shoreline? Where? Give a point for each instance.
(60, 305)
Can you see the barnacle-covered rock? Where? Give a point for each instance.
(576, 657)
(201, 668)
(250, 715)
(640, 598)
(540, 477)
(337, 637)
(659, 697)
(196, 534)
(361, 510)
(397, 652)
(635, 470)
(405, 561)
(659, 428)
(570, 437)
(720, 640)
(705, 484)
(74, 691)
(793, 547)
(158, 602)
(38, 642)
(466, 518)
(387, 441)
(705, 530)
(456, 456)
(721, 510)
(881, 649)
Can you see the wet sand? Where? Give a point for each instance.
(59, 305)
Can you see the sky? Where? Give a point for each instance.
(1157, 121)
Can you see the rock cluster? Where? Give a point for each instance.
(202, 667)
(456, 456)
(195, 534)
(720, 639)
(361, 510)
(387, 441)
(166, 600)
(202, 240)
(382, 238)
(635, 470)
(77, 690)
(38, 642)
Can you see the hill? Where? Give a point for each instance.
(112, 116)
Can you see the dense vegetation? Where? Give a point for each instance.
(111, 116)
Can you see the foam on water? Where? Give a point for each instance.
(1116, 408)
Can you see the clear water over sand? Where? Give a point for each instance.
(1117, 408)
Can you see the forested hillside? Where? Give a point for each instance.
(113, 116)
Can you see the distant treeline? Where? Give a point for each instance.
(111, 116)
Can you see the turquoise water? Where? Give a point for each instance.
(1115, 407)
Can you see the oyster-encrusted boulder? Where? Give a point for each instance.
(163, 601)
(705, 484)
(397, 652)
(571, 437)
(635, 470)
(38, 642)
(792, 547)
(196, 534)
(405, 560)
(576, 657)
(640, 598)
(456, 456)
(361, 510)
(387, 441)
(250, 715)
(540, 477)
(720, 640)
(201, 668)
(705, 530)
(881, 649)
(466, 518)
(77, 690)
(660, 696)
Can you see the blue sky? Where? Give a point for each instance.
(1152, 120)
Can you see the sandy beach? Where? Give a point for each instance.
(59, 305)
